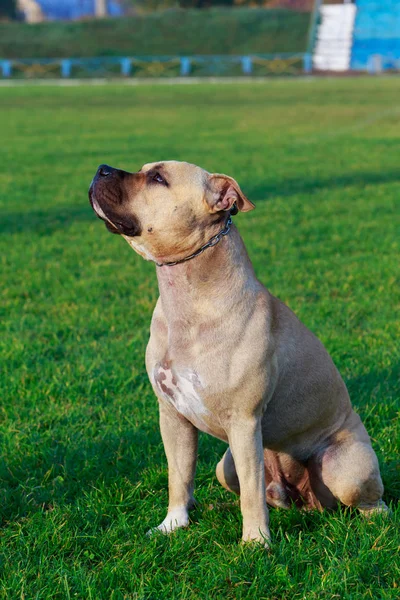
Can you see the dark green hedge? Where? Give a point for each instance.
(181, 32)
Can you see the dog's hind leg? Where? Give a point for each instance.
(287, 480)
(228, 478)
(348, 467)
(226, 473)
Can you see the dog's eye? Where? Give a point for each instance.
(157, 177)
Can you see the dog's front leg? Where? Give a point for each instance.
(245, 441)
(180, 444)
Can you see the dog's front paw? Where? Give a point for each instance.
(177, 517)
(257, 536)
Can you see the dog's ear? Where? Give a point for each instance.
(224, 192)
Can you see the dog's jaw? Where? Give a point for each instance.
(139, 248)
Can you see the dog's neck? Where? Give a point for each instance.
(197, 290)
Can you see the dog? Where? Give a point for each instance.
(228, 358)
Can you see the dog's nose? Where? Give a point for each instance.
(105, 170)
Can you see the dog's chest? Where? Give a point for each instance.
(183, 389)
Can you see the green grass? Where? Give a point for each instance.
(176, 32)
(83, 474)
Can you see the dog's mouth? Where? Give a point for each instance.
(115, 223)
(100, 212)
(96, 206)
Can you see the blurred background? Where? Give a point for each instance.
(151, 38)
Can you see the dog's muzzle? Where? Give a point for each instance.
(106, 196)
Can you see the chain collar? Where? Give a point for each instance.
(212, 242)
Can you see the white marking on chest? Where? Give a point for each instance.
(183, 390)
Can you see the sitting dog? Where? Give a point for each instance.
(228, 358)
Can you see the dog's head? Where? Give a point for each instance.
(167, 210)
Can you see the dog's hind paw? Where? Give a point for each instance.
(378, 508)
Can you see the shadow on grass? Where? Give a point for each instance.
(374, 396)
(291, 187)
(46, 221)
(60, 472)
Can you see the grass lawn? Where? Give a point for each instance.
(82, 473)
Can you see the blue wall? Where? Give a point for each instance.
(75, 9)
(376, 31)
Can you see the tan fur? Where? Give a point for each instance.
(227, 357)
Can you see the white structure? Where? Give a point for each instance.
(31, 10)
(100, 8)
(332, 50)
